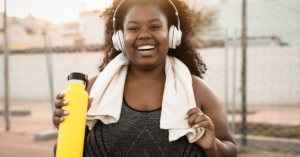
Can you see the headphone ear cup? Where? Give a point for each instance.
(171, 33)
(179, 36)
(115, 42)
(175, 37)
(121, 38)
(117, 38)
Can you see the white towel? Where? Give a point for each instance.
(178, 97)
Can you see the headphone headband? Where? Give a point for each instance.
(114, 18)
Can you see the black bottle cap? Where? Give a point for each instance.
(79, 76)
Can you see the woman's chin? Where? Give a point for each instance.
(147, 65)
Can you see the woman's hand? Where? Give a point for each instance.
(196, 117)
(58, 112)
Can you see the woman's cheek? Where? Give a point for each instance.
(164, 40)
(128, 42)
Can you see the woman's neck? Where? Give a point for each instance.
(147, 77)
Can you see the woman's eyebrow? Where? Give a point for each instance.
(152, 20)
(136, 22)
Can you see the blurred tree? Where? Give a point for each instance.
(207, 31)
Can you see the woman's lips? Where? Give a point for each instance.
(146, 52)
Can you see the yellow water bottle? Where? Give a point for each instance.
(70, 142)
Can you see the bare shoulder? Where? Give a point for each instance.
(91, 83)
(203, 93)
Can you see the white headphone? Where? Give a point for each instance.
(174, 33)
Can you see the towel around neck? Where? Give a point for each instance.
(178, 97)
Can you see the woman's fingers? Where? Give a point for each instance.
(60, 112)
(192, 114)
(193, 118)
(60, 95)
(57, 120)
(199, 119)
(57, 116)
(60, 102)
(208, 125)
(90, 102)
(192, 111)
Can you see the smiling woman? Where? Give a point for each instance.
(161, 100)
(146, 37)
(190, 57)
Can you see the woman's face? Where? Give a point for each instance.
(146, 36)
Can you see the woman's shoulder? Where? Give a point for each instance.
(91, 83)
(203, 93)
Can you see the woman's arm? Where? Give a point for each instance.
(223, 144)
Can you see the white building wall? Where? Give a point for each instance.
(272, 74)
(17, 35)
(94, 29)
(28, 75)
(22, 38)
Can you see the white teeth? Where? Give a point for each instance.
(146, 47)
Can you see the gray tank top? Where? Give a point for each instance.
(136, 134)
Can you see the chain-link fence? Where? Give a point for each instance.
(273, 101)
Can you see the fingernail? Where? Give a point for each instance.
(61, 94)
(186, 116)
(189, 126)
(61, 119)
(196, 125)
(65, 102)
(66, 112)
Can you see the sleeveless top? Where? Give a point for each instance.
(136, 134)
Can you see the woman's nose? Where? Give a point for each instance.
(144, 35)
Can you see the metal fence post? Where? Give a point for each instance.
(226, 72)
(244, 76)
(48, 53)
(6, 70)
(233, 83)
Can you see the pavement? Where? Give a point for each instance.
(19, 140)
(24, 145)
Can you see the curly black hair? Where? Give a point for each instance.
(186, 52)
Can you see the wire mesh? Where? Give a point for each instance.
(273, 101)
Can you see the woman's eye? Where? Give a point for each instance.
(155, 26)
(133, 28)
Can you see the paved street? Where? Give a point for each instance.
(19, 141)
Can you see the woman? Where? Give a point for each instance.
(145, 25)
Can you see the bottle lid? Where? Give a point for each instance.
(79, 76)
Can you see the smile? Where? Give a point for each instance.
(146, 48)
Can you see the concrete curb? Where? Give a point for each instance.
(46, 135)
(272, 144)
